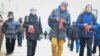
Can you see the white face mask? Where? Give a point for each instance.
(33, 12)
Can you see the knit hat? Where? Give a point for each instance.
(64, 3)
(33, 9)
(10, 13)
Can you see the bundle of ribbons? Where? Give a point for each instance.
(60, 23)
(87, 27)
(31, 29)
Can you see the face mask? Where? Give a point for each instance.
(33, 12)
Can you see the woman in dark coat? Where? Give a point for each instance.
(84, 23)
(1, 34)
(33, 28)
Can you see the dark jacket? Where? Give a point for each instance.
(20, 28)
(85, 18)
(59, 34)
(97, 36)
(74, 32)
(35, 21)
(1, 33)
(10, 28)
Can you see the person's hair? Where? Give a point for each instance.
(87, 6)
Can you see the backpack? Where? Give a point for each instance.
(21, 29)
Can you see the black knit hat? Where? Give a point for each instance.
(10, 13)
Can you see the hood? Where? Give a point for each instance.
(61, 10)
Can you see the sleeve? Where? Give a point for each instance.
(40, 26)
(94, 20)
(68, 20)
(79, 22)
(25, 25)
(4, 27)
(17, 27)
(94, 27)
(52, 18)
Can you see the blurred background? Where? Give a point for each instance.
(44, 8)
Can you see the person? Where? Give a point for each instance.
(33, 31)
(84, 23)
(97, 38)
(45, 34)
(74, 36)
(1, 33)
(68, 33)
(58, 20)
(20, 32)
(10, 28)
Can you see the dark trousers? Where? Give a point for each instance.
(72, 45)
(94, 49)
(83, 42)
(20, 37)
(31, 47)
(10, 44)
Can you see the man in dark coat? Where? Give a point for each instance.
(20, 32)
(74, 36)
(10, 29)
(33, 28)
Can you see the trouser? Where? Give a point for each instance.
(1, 40)
(99, 50)
(20, 37)
(94, 49)
(72, 45)
(68, 42)
(31, 47)
(57, 46)
(83, 42)
(10, 44)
